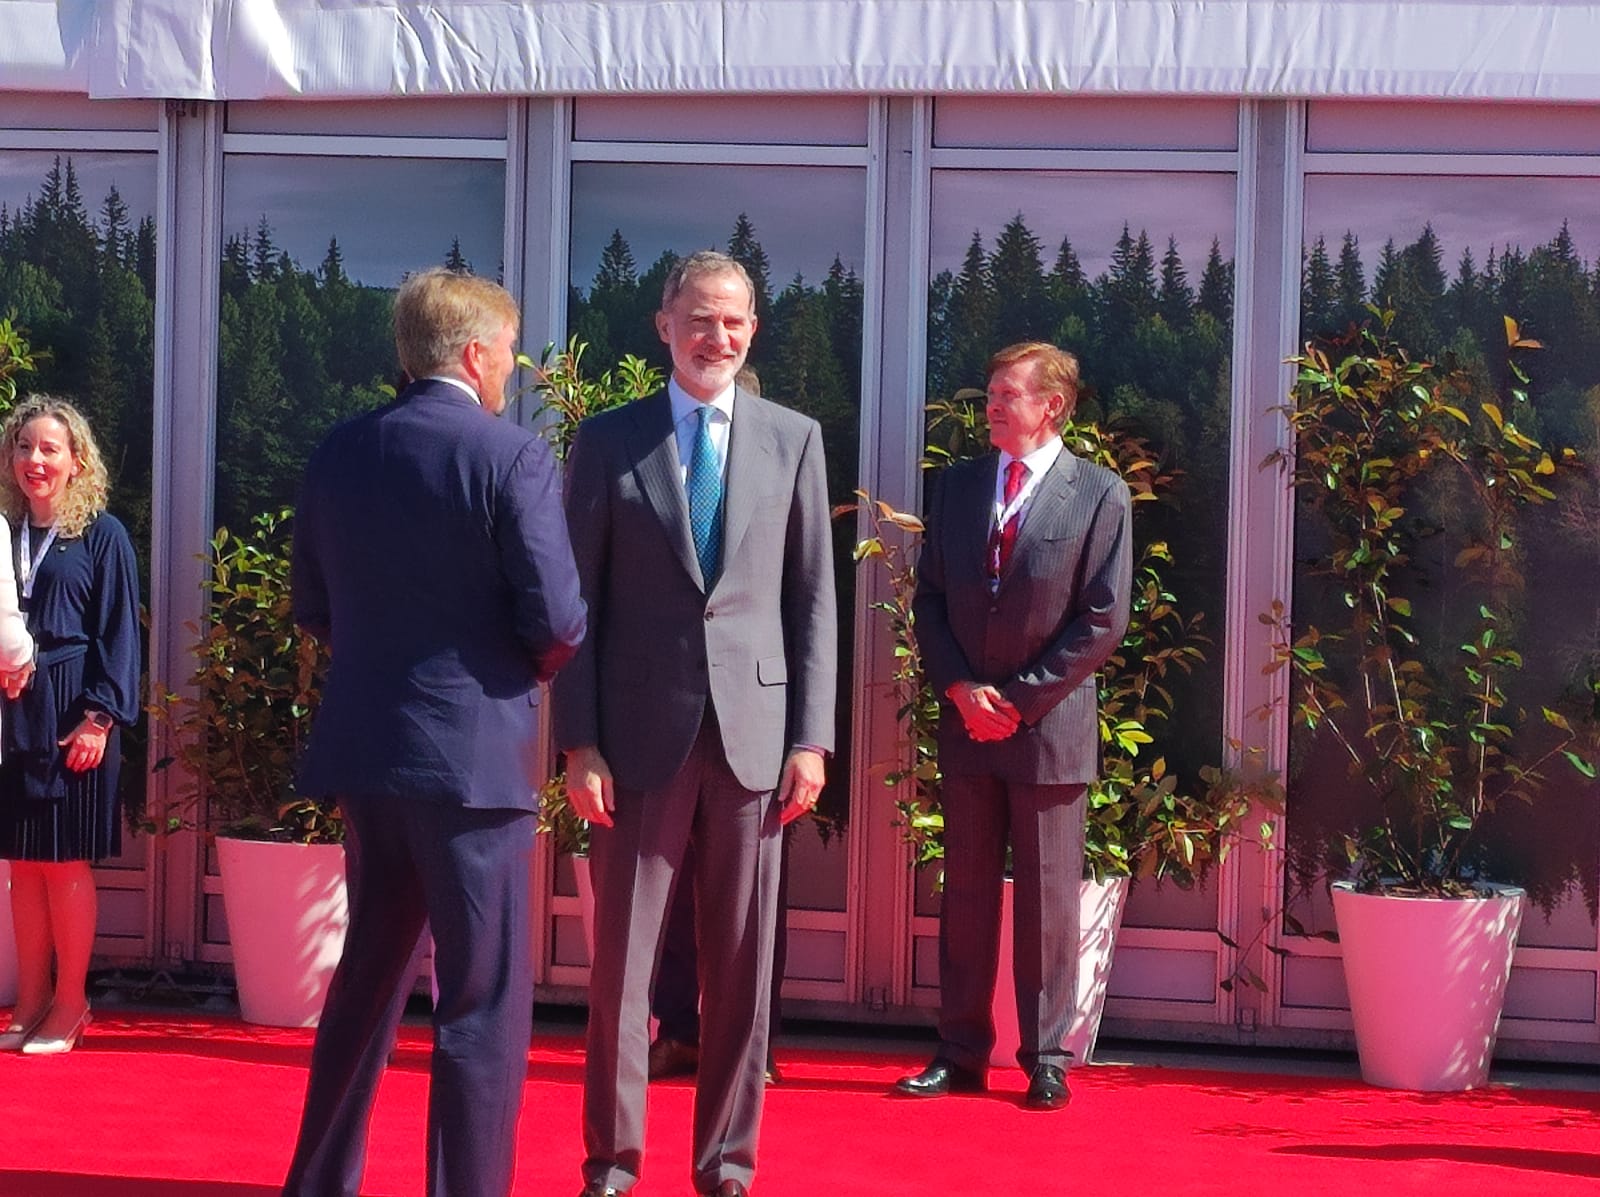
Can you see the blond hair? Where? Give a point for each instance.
(1057, 372)
(439, 312)
(85, 496)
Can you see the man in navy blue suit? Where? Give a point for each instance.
(430, 550)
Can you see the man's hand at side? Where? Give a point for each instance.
(801, 783)
(589, 786)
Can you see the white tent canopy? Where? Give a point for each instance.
(260, 49)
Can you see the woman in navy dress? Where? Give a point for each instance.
(59, 813)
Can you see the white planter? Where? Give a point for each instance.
(1427, 979)
(286, 920)
(1100, 906)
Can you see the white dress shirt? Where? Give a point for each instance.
(1038, 463)
(457, 383)
(686, 426)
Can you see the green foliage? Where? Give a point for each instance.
(567, 398)
(239, 728)
(1434, 745)
(16, 359)
(1142, 818)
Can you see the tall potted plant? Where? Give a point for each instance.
(1388, 449)
(237, 731)
(1144, 819)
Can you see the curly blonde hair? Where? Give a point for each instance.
(85, 496)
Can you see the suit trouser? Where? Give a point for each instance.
(735, 833)
(409, 864)
(675, 994)
(1045, 824)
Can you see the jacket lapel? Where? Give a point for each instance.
(975, 510)
(751, 452)
(654, 450)
(1054, 489)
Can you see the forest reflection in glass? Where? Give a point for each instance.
(1133, 273)
(1452, 257)
(313, 249)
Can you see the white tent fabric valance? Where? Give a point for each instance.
(277, 49)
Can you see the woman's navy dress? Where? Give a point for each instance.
(84, 617)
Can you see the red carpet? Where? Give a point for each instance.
(159, 1107)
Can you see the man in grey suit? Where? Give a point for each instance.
(699, 710)
(431, 553)
(1022, 594)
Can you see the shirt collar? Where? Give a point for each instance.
(684, 404)
(1038, 462)
(457, 383)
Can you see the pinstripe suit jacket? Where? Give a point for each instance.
(1060, 610)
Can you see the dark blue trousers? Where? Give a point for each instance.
(413, 863)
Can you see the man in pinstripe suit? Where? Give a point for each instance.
(1022, 594)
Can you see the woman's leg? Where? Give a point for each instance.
(69, 889)
(30, 917)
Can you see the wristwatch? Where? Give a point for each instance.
(100, 719)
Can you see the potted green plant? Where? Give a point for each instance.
(1143, 818)
(237, 730)
(564, 398)
(1389, 450)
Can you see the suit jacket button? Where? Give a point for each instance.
(709, 614)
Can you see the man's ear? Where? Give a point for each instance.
(661, 328)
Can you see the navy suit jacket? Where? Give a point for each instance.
(431, 551)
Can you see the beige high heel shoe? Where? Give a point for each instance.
(57, 1047)
(14, 1036)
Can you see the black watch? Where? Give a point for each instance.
(100, 719)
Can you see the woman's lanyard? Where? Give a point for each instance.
(25, 569)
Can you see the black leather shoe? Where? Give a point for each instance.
(595, 1189)
(672, 1057)
(1047, 1088)
(731, 1188)
(774, 1076)
(939, 1078)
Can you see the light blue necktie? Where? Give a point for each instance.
(705, 498)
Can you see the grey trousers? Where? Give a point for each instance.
(636, 866)
(1045, 827)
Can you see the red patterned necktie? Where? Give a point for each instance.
(1003, 539)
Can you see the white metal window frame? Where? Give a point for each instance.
(1300, 166)
(927, 159)
(869, 158)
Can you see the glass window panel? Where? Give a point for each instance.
(800, 232)
(740, 120)
(458, 117)
(313, 249)
(1452, 256)
(1085, 123)
(1386, 127)
(77, 273)
(1133, 273)
(26, 110)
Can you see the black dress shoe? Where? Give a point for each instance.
(672, 1057)
(596, 1189)
(731, 1188)
(773, 1075)
(1047, 1088)
(939, 1078)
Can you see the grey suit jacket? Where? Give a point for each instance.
(1061, 609)
(759, 644)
